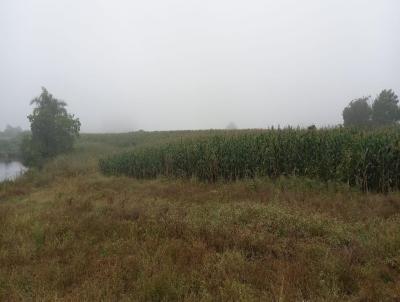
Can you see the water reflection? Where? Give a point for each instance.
(11, 170)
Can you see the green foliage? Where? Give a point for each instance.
(9, 149)
(10, 141)
(385, 110)
(357, 113)
(368, 159)
(53, 129)
(11, 132)
(31, 156)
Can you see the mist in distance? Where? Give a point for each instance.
(184, 64)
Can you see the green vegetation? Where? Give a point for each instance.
(369, 160)
(385, 109)
(383, 112)
(10, 142)
(10, 148)
(69, 233)
(53, 130)
(293, 226)
(357, 113)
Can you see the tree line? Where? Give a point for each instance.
(10, 132)
(384, 110)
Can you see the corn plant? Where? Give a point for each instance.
(368, 159)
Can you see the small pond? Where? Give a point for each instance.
(11, 170)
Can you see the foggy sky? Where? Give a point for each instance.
(191, 64)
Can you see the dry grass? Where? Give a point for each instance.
(88, 237)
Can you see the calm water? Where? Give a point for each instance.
(11, 170)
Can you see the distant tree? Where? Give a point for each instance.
(312, 127)
(357, 113)
(53, 129)
(12, 131)
(385, 109)
(231, 126)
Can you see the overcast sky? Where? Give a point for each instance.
(188, 64)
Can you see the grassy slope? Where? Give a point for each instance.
(72, 234)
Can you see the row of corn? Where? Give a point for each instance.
(368, 159)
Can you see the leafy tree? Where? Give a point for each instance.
(53, 129)
(385, 109)
(357, 113)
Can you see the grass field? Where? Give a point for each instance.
(70, 233)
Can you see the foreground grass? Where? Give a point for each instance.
(69, 233)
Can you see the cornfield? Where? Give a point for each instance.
(368, 159)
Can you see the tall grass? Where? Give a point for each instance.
(368, 159)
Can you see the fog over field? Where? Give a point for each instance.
(185, 64)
